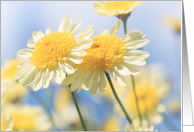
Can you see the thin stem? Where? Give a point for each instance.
(117, 98)
(78, 110)
(137, 106)
(132, 79)
(43, 103)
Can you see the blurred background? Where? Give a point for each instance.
(20, 18)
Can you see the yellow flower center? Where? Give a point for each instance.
(11, 70)
(119, 5)
(51, 49)
(147, 99)
(22, 121)
(105, 51)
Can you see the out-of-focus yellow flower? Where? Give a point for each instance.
(150, 88)
(173, 22)
(7, 123)
(11, 91)
(27, 118)
(52, 55)
(112, 124)
(115, 8)
(174, 105)
(109, 54)
(139, 128)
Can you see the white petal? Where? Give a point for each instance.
(134, 60)
(79, 90)
(48, 74)
(122, 70)
(133, 36)
(70, 78)
(93, 89)
(104, 32)
(133, 70)
(77, 82)
(79, 53)
(67, 26)
(137, 44)
(87, 32)
(88, 81)
(24, 53)
(23, 62)
(69, 69)
(31, 44)
(29, 77)
(40, 33)
(102, 82)
(48, 30)
(76, 59)
(46, 83)
(21, 74)
(60, 29)
(75, 27)
(38, 80)
(118, 77)
(138, 53)
(35, 37)
(57, 77)
(115, 29)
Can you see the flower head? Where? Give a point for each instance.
(51, 55)
(173, 22)
(109, 53)
(27, 118)
(115, 8)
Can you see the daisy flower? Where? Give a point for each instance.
(51, 55)
(7, 123)
(11, 91)
(173, 22)
(109, 54)
(115, 8)
(149, 94)
(27, 118)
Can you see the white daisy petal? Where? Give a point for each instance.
(60, 29)
(87, 32)
(35, 37)
(31, 44)
(133, 36)
(115, 29)
(23, 62)
(137, 44)
(48, 30)
(104, 32)
(93, 89)
(122, 70)
(78, 81)
(46, 83)
(134, 60)
(88, 81)
(118, 77)
(138, 53)
(48, 74)
(79, 53)
(133, 70)
(38, 80)
(76, 59)
(23, 72)
(75, 27)
(57, 77)
(70, 78)
(79, 90)
(41, 34)
(24, 53)
(29, 77)
(68, 68)
(102, 82)
(67, 26)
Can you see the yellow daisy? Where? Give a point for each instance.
(149, 94)
(27, 118)
(109, 53)
(7, 123)
(51, 55)
(173, 22)
(11, 91)
(115, 8)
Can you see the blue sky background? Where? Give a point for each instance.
(20, 18)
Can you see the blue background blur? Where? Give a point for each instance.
(20, 19)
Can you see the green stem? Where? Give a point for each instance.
(117, 98)
(78, 110)
(132, 79)
(43, 103)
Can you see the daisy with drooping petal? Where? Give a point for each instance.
(11, 91)
(115, 8)
(27, 118)
(7, 123)
(109, 54)
(149, 94)
(51, 55)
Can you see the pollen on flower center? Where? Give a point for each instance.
(119, 5)
(22, 121)
(147, 98)
(51, 49)
(105, 51)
